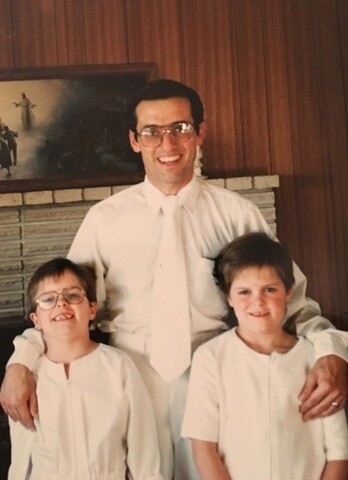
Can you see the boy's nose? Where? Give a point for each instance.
(258, 297)
(61, 299)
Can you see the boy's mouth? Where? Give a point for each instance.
(259, 314)
(63, 316)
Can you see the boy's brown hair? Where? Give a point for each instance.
(250, 250)
(56, 268)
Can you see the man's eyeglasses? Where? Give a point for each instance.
(152, 136)
(48, 300)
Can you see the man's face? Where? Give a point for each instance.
(168, 166)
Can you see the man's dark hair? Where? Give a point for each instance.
(56, 268)
(253, 250)
(162, 90)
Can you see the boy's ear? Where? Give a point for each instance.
(92, 310)
(229, 300)
(290, 293)
(34, 318)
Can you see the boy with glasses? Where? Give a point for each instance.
(95, 411)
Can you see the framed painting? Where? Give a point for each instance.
(66, 127)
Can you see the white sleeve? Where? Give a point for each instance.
(336, 436)
(143, 458)
(21, 444)
(202, 417)
(29, 346)
(304, 315)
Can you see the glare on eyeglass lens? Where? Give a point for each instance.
(48, 300)
(152, 136)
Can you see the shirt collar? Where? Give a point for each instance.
(188, 195)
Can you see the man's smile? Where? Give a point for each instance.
(168, 158)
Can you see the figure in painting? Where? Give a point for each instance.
(10, 137)
(28, 117)
(5, 156)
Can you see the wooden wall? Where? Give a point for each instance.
(274, 78)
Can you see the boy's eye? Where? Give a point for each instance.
(243, 292)
(271, 289)
(48, 299)
(72, 297)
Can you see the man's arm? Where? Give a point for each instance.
(326, 388)
(18, 395)
(18, 390)
(328, 380)
(208, 461)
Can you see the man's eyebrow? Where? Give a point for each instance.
(167, 125)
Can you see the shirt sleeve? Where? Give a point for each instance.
(29, 346)
(143, 458)
(304, 317)
(202, 415)
(21, 445)
(336, 436)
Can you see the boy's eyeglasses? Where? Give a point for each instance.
(152, 136)
(48, 300)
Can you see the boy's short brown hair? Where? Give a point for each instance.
(56, 268)
(253, 249)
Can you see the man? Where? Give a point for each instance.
(121, 238)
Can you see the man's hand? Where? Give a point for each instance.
(18, 395)
(326, 388)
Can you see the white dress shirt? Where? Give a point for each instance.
(247, 403)
(120, 236)
(92, 426)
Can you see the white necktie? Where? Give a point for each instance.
(170, 322)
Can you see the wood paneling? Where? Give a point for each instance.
(106, 34)
(209, 52)
(71, 32)
(35, 43)
(307, 151)
(154, 33)
(251, 67)
(278, 111)
(273, 75)
(6, 35)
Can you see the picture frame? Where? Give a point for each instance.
(65, 127)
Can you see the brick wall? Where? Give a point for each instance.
(37, 226)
